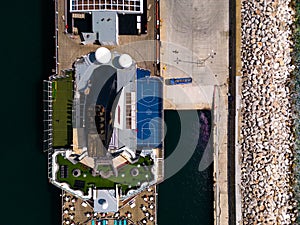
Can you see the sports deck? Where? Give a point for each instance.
(149, 110)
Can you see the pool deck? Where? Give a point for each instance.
(74, 207)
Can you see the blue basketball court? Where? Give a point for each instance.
(149, 110)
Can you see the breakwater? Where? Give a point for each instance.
(267, 129)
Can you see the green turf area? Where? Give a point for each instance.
(104, 168)
(100, 182)
(62, 112)
(89, 179)
(54, 90)
(128, 179)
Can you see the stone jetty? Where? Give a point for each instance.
(267, 138)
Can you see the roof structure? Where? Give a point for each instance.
(81, 140)
(105, 201)
(105, 26)
(103, 91)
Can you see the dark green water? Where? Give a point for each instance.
(187, 197)
(27, 51)
(26, 196)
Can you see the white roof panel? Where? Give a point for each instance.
(121, 6)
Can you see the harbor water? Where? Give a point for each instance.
(187, 196)
(27, 58)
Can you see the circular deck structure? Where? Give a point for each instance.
(134, 172)
(125, 60)
(103, 203)
(103, 55)
(76, 172)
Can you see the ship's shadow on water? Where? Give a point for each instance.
(187, 196)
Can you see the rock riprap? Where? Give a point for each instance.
(266, 138)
